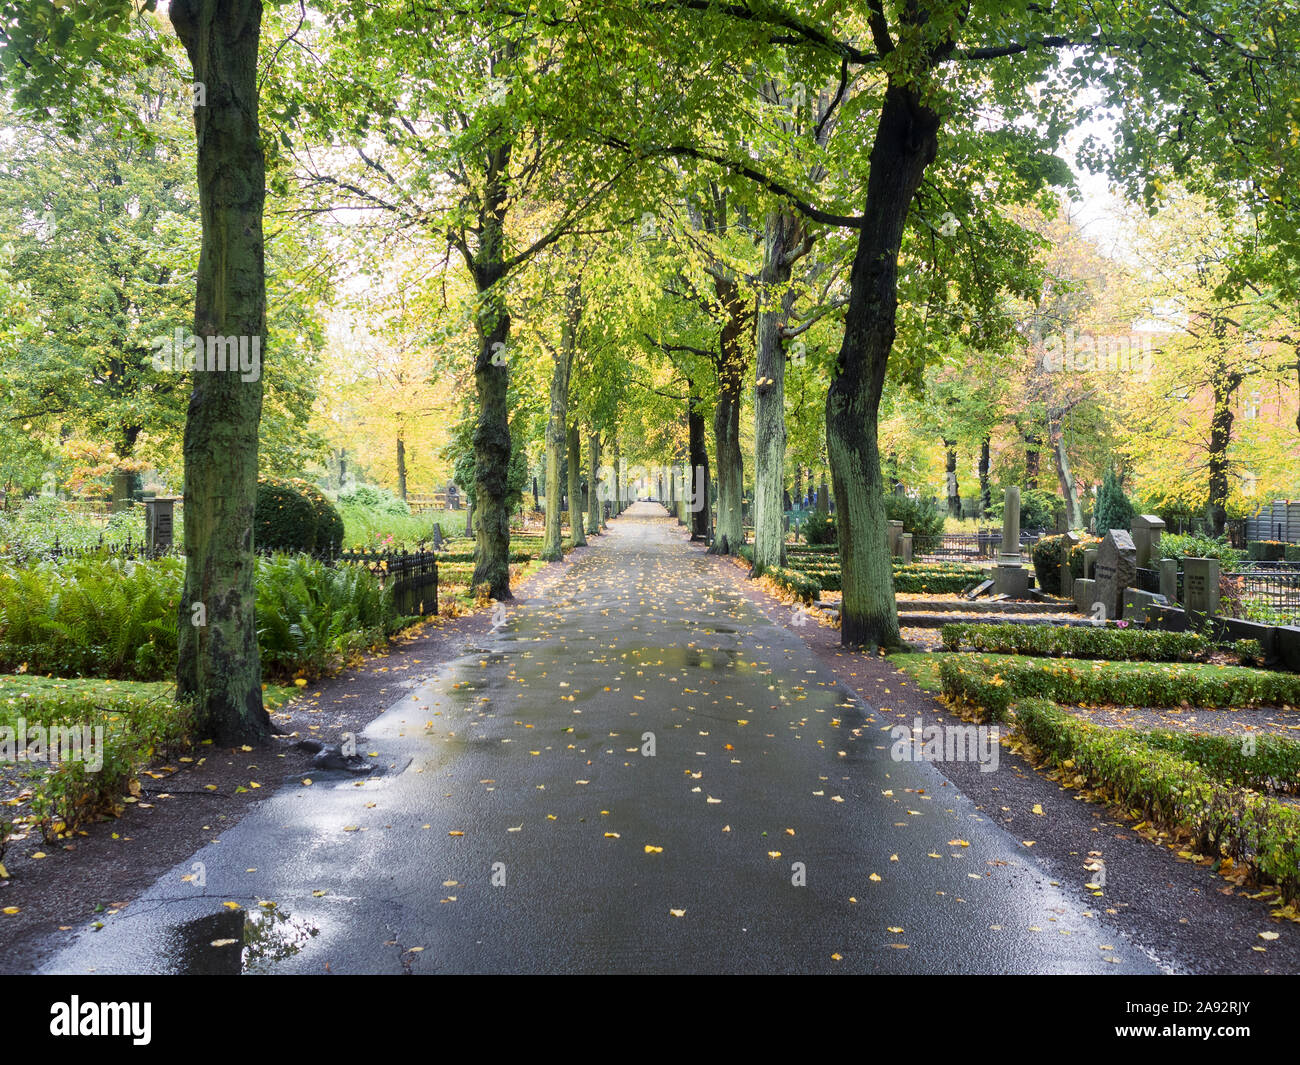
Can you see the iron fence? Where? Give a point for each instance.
(1268, 595)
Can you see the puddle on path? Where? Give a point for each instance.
(231, 942)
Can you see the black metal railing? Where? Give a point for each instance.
(1271, 596)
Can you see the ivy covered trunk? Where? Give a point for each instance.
(905, 144)
(575, 486)
(492, 441)
(776, 300)
(218, 665)
(950, 479)
(556, 434)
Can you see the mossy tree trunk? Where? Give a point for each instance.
(730, 532)
(577, 534)
(556, 432)
(783, 233)
(904, 145)
(218, 664)
(492, 443)
(595, 513)
(697, 490)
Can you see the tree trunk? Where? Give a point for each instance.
(697, 492)
(798, 485)
(575, 490)
(1224, 385)
(556, 433)
(780, 234)
(905, 144)
(401, 465)
(617, 501)
(730, 532)
(594, 510)
(985, 490)
(218, 665)
(950, 479)
(1064, 478)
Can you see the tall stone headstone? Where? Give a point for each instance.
(894, 535)
(437, 536)
(1201, 585)
(1169, 579)
(159, 523)
(1009, 555)
(1067, 574)
(1146, 538)
(1116, 570)
(1010, 577)
(1089, 562)
(823, 497)
(905, 548)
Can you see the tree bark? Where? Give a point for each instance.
(1064, 478)
(218, 665)
(697, 492)
(905, 144)
(556, 433)
(492, 443)
(575, 489)
(1224, 384)
(730, 532)
(401, 465)
(595, 512)
(781, 233)
(1033, 443)
(950, 479)
(985, 490)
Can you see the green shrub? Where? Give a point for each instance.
(1193, 545)
(921, 517)
(137, 723)
(1292, 553)
(994, 683)
(1047, 554)
(1255, 760)
(1266, 550)
(819, 528)
(372, 497)
(1078, 641)
(283, 519)
(1251, 828)
(327, 522)
(1251, 651)
(910, 580)
(1114, 510)
(1039, 508)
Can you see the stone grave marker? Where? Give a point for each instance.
(1146, 537)
(1116, 570)
(1201, 585)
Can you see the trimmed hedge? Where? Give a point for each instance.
(937, 583)
(993, 684)
(283, 518)
(1254, 760)
(1266, 550)
(1251, 828)
(1132, 645)
(1292, 553)
(327, 522)
(803, 588)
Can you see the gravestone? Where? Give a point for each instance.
(1201, 585)
(1116, 570)
(1067, 574)
(1089, 562)
(905, 546)
(453, 496)
(159, 523)
(1169, 579)
(1010, 577)
(437, 536)
(1085, 594)
(894, 535)
(1146, 537)
(823, 498)
(1139, 605)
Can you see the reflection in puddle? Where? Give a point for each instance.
(237, 941)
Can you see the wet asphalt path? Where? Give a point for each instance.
(510, 829)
